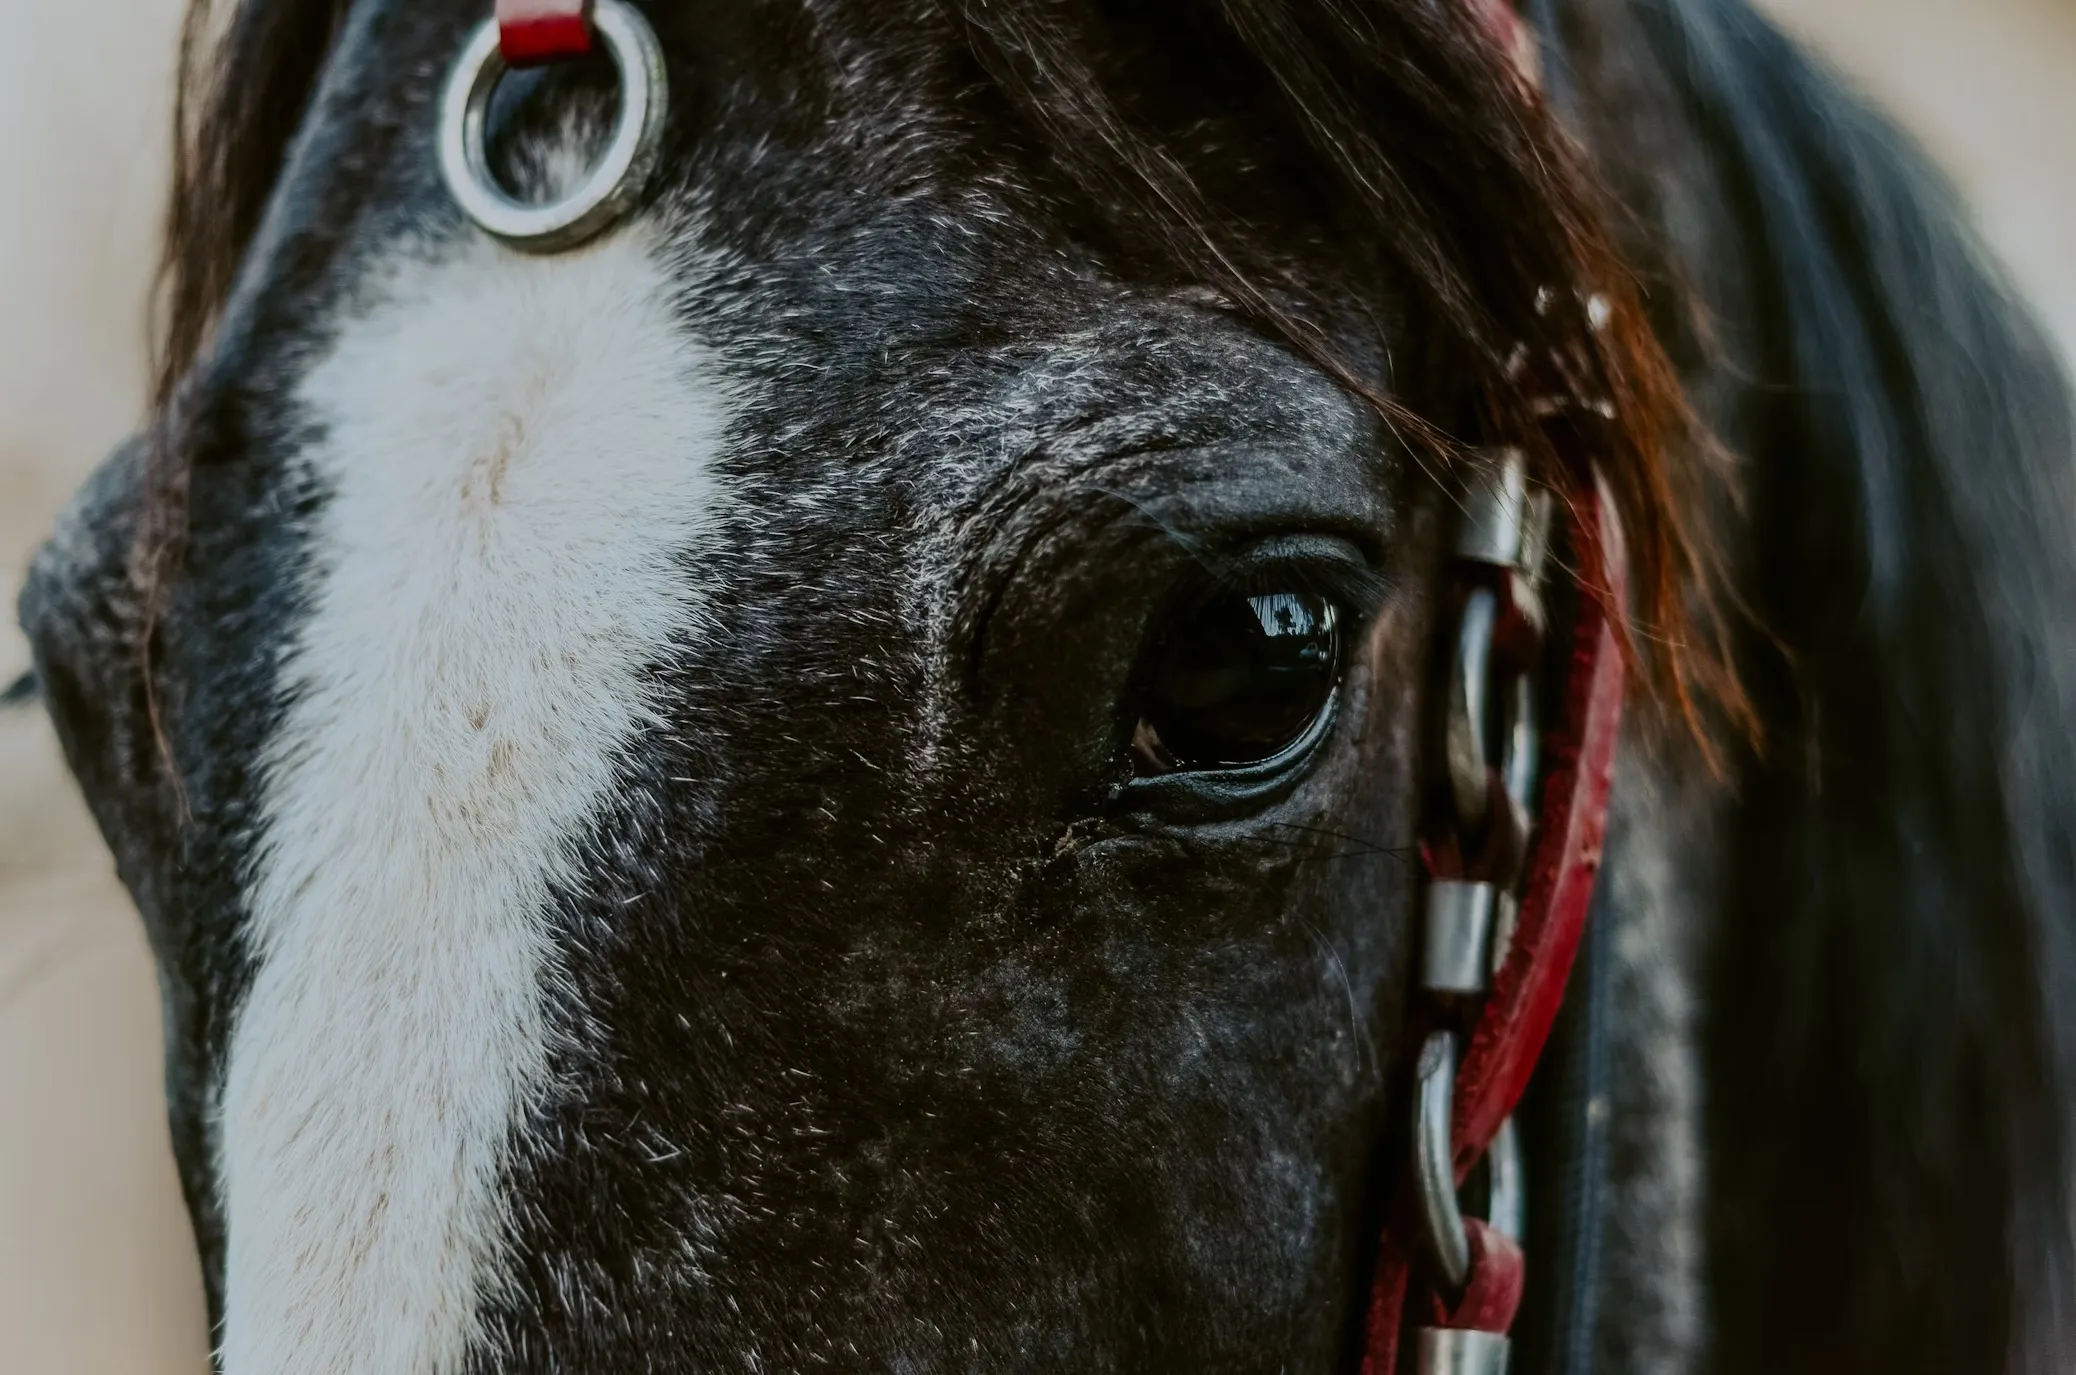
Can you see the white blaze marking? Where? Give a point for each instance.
(519, 449)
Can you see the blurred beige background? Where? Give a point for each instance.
(96, 1273)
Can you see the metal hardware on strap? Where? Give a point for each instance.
(1457, 954)
(1465, 1111)
(1517, 766)
(1504, 538)
(1506, 1202)
(1571, 822)
(1487, 1304)
(541, 31)
(1458, 1351)
(1503, 533)
(1434, 1162)
(1469, 681)
(1495, 514)
(1467, 1087)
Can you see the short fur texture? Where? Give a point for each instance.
(518, 463)
(826, 989)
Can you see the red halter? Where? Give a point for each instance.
(1579, 754)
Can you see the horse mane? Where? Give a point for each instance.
(1407, 115)
(241, 96)
(243, 86)
(1891, 1018)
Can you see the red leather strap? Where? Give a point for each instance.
(1516, 38)
(531, 32)
(1563, 863)
(1499, 1275)
(1579, 759)
(1388, 1297)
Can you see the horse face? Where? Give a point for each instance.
(825, 778)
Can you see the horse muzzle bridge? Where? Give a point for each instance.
(1510, 877)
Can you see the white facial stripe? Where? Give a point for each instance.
(520, 449)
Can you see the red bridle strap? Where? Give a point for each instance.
(1580, 762)
(531, 32)
(1510, 1033)
(1509, 1036)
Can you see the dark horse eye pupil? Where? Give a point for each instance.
(1237, 679)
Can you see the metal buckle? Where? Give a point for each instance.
(611, 186)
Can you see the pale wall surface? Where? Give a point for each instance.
(1989, 86)
(95, 1269)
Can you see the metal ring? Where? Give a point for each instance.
(1468, 757)
(608, 189)
(1434, 1161)
(1506, 1204)
(1523, 750)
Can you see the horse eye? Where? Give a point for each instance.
(1236, 680)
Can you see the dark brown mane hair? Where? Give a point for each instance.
(244, 84)
(1436, 151)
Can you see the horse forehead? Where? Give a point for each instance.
(540, 480)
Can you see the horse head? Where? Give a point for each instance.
(836, 775)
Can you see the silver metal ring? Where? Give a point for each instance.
(1468, 757)
(1434, 1161)
(608, 189)
(1506, 1204)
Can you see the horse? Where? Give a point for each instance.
(842, 775)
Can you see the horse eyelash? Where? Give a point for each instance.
(1360, 589)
